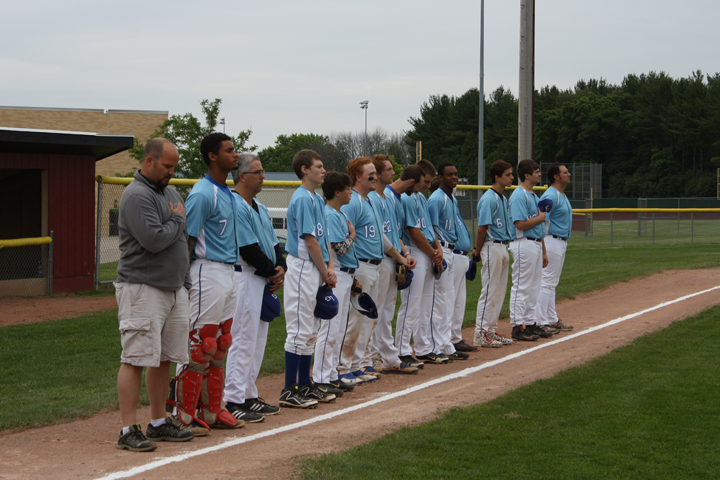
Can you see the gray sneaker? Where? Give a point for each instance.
(135, 441)
(169, 432)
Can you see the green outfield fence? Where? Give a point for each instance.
(605, 221)
(26, 266)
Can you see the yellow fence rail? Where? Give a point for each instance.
(25, 242)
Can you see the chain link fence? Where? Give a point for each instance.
(275, 195)
(26, 266)
(586, 180)
(602, 228)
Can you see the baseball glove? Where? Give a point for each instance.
(356, 288)
(400, 274)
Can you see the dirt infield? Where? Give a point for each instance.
(86, 449)
(22, 310)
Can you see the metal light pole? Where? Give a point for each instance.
(222, 122)
(481, 122)
(364, 106)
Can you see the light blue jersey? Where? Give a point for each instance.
(441, 210)
(367, 220)
(388, 216)
(306, 216)
(211, 218)
(255, 227)
(394, 199)
(523, 206)
(464, 240)
(337, 223)
(558, 221)
(415, 207)
(492, 211)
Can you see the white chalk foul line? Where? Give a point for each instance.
(327, 416)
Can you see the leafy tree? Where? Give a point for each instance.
(279, 157)
(186, 132)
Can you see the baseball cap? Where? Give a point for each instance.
(270, 305)
(545, 205)
(407, 283)
(436, 272)
(364, 304)
(471, 271)
(327, 306)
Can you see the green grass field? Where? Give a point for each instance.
(647, 410)
(41, 390)
(667, 230)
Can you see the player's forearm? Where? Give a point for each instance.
(480, 238)
(313, 248)
(419, 239)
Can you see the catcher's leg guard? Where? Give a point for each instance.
(224, 341)
(211, 410)
(189, 387)
(203, 344)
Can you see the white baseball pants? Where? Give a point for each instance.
(556, 249)
(327, 348)
(494, 273)
(526, 278)
(302, 281)
(249, 338)
(456, 297)
(359, 328)
(415, 307)
(383, 342)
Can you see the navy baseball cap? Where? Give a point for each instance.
(471, 271)
(545, 205)
(364, 304)
(327, 306)
(407, 283)
(436, 272)
(270, 305)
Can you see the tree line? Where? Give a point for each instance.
(654, 135)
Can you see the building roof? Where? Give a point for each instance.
(25, 140)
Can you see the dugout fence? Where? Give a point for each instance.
(608, 226)
(26, 266)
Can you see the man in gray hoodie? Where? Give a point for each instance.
(152, 295)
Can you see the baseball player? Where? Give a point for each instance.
(529, 255)
(337, 188)
(493, 237)
(211, 221)
(383, 342)
(417, 316)
(370, 247)
(261, 262)
(443, 213)
(151, 291)
(558, 225)
(309, 266)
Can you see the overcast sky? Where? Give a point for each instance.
(285, 67)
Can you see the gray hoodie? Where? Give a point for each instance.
(153, 240)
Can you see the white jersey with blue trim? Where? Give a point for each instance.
(558, 221)
(492, 211)
(415, 207)
(388, 216)
(338, 231)
(524, 206)
(306, 216)
(441, 210)
(255, 227)
(211, 218)
(367, 220)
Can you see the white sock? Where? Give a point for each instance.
(125, 430)
(157, 422)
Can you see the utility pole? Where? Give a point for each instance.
(481, 122)
(526, 94)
